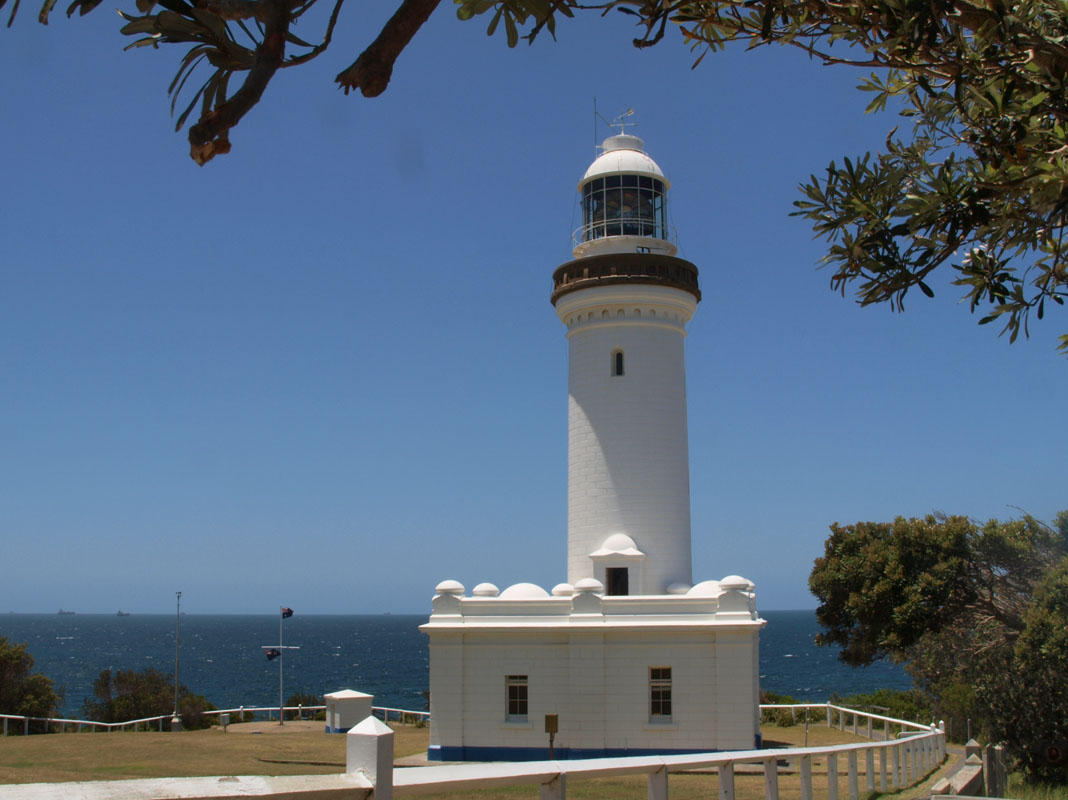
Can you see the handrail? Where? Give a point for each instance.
(109, 726)
(459, 776)
(847, 710)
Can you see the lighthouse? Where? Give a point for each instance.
(626, 299)
(628, 656)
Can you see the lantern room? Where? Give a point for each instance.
(624, 202)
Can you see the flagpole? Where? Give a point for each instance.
(281, 656)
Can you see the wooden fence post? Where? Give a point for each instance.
(726, 781)
(851, 762)
(832, 776)
(658, 784)
(556, 789)
(771, 779)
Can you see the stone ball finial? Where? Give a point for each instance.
(450, 587)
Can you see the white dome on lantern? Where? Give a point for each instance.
(623, 153)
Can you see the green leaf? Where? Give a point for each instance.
(510, 29)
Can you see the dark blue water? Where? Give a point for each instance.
(386, 656)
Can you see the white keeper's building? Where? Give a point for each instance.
(629, 654)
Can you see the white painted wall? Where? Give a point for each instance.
(628, 456)
(598, 684)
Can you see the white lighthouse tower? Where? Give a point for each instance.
(625, 300)
(628, 656)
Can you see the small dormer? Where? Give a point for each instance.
(624, 202)
(617, 564)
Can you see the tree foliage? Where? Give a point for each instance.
(975, 179)
(22, 691)
(978, 614)
(304, 699)
(125, 695)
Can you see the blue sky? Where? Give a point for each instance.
(323, 371)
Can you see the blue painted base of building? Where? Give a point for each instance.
(447, 753)
(337, 730)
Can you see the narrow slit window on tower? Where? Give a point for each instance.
(516, 698)
(617, 363)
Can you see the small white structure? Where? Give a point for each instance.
(345, 709)
(629, 655)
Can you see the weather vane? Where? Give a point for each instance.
(619, 122)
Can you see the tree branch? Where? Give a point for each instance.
(210, 136)
(370, 73)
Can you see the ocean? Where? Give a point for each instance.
(220, 655)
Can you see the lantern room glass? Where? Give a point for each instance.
(624, 205)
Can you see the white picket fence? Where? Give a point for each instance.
(890, 764)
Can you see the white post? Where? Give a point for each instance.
(883, 756)
(832, 776)
(851, 768)
(556, 789)
(726, 781)
(895, 767)
(806, 777)
(869, 769)
(771, 779)
(658, 784)
(828, 716)
(5, 726)
(369, 750)
(902, 765)
(869, 726)
(281, 655)
(854, 723)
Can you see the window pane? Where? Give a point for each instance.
(516, 696)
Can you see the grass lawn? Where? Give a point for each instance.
(255, 748)
(302, 748)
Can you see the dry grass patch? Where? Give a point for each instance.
(255, 748)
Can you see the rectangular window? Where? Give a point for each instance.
(660, 694)
(516, 697)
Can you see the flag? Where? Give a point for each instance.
(272, 653)
(287, 612)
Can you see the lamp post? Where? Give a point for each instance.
(176, 721)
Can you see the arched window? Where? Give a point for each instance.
(617, 362)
